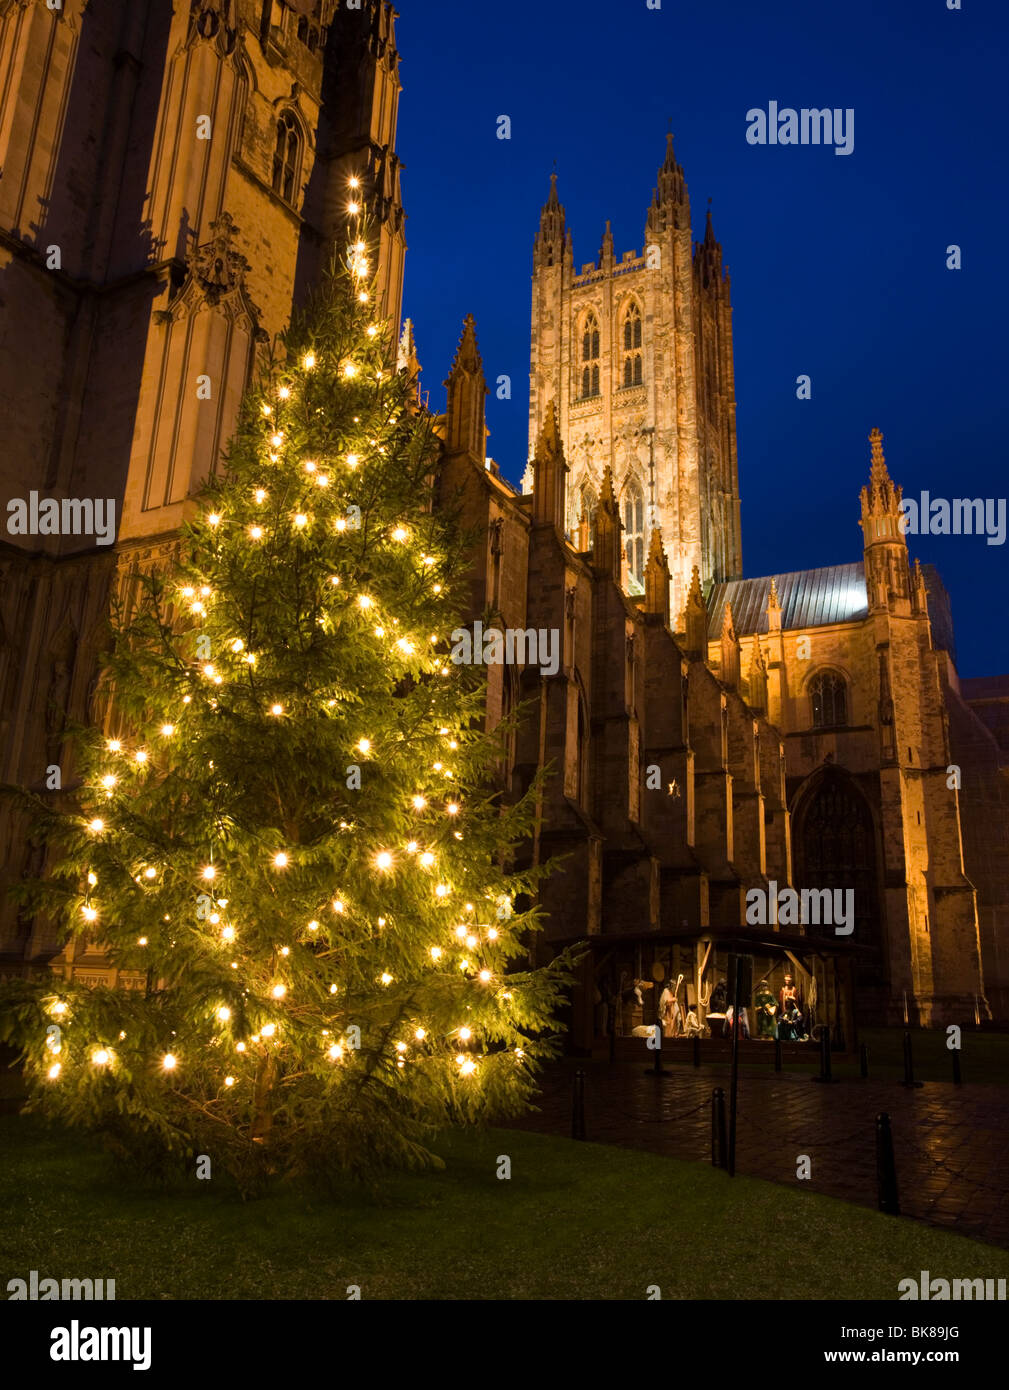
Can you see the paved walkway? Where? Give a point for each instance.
(949, 1141)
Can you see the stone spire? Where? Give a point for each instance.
(657, 579)
(758, 676)
(729, 671)
(695, 618)
(607, 552)
(887, 571)
(551, 238)
(549, 470)
(773, 608)
(708, 254)
(406, 357)
(465, 413)
(670, 202)
(606, 256)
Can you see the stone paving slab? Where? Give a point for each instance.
(949, 1141)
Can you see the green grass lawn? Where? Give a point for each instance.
(575, 1221)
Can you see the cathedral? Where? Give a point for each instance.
(172, 181)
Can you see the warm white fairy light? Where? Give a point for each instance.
(465, 1034)
(364, 601)
(353, 182)
(224, 1013)
(90, 913)
(352, 460)
(213, 519)
(280, 860)
(141, 940)
(54, 1071)
(276, 440)
(452, 808)
(209, 872)
(308, 361)
(353, 208)
(338, 906)
(229, 1081)
(301, 520)
(468, 1067)
(284, 392)
(349, 369)
(427, 859)
(412, 846)
(372, 331)
(420, 1034)
(400, 533)
(260, 494)
(472, 942)
(364, 745)
(278, 991)
(405, 646)
(386, 978)
(276, 709)
(340, 524)
(484, 977)
(227, 933)
(460, 932)
(169, 1061)
(335, 1051)
(492, 934)
(256, 532)
(383, 860)
(109, 780)
(419, 803)
(268, 1029)
(59, 1008)
(114, 745)
(436, 953)
(100, 1057)
(313, 926)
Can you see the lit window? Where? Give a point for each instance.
(828, 697)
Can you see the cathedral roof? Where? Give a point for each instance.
(808, 598)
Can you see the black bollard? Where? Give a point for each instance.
(697, 1051)
(886, 1167)
(657, 1069)
(957, 1078)
(909, 1064)
(863, 1059)
(777, 1054)
(719, 1142)
(826, 1073)
(578, 1106)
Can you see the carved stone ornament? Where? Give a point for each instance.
(215, 21)
(217, 267)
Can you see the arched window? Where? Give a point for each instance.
(828, 699)
(286, 157)
(634, 532)
(632, 370)
(590, 356)
(303, 29)
(581, 502)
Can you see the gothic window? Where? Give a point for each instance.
(631, 372)
(303, 29)
(286, 158)
(590, 356)
(581, 502)
(634, 531)
(828, 698)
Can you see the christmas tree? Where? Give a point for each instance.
(291, 825)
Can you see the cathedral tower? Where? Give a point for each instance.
(175, 177)
(637, 353)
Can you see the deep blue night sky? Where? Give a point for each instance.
(837, 262)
